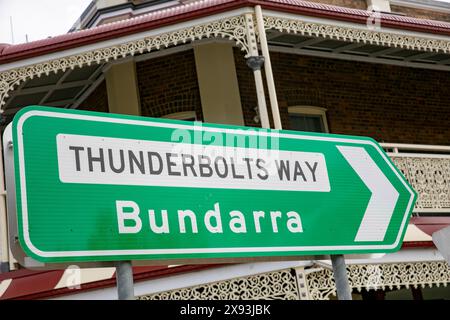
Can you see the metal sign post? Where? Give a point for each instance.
(124, 279)
(341, 277)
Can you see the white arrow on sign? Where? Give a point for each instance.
(384, 197)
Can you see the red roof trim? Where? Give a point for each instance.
(23, 285)
(19, 274)
(430, 220)
(204, 8)
(418, 244)
(139, 275)
(118, 29)
(429, 225)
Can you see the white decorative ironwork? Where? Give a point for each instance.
(430, 177)
(381, 276)
(302, 284)
(251, 35)
(318, 284)
(356, 35)
(268, 286)
(233, 28)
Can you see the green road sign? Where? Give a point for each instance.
(103, 187)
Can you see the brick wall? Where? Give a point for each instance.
(97, 100)
(166, 85)
(421, 13)
(169, 84)
(388, 103)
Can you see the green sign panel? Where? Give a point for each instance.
(103, 187)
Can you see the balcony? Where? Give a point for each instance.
(427, 168)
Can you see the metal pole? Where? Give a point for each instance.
(340, 277)
(4, 249)
(124, 279)
(268, 68)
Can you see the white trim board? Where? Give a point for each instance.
(190, 279)
(194, 278)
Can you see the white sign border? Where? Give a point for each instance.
(104, 253)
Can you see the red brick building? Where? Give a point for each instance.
(329, 66)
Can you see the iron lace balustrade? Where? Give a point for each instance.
(427, 168)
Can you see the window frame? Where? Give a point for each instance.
(183, 115)
(311, 110)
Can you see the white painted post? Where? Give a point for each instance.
(4, 249)
(268, 68)
(255, 62)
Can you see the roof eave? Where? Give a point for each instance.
(311, 9)
(107, 35)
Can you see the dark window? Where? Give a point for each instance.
(184, 115)
(306, 122)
